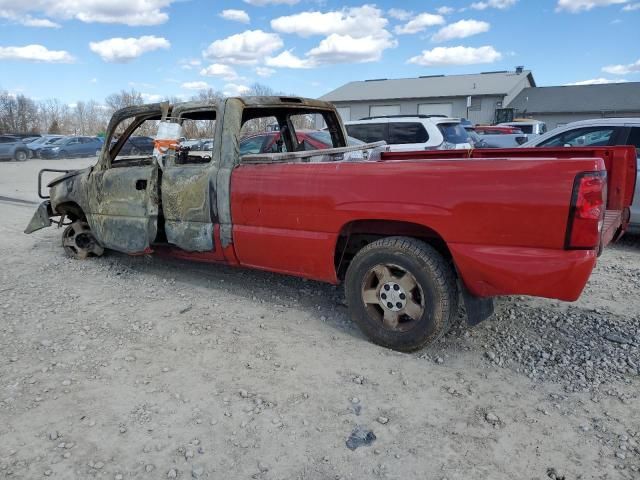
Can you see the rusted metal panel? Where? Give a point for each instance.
(40, 219)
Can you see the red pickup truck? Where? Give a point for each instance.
(408, 233)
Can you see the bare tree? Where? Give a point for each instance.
(122, 99)
(18, 114)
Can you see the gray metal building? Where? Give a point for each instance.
(557, 106)
(475, 97)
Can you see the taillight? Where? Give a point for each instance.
(586, 215)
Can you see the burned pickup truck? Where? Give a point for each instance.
(408, 233)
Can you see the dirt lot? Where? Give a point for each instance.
(138, 367)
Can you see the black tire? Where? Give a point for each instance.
(435, 292)
(21, 155)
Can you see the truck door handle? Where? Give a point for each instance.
(141, 184)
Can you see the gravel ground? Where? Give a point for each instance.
(141, 367)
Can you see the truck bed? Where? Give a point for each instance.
(620, 163)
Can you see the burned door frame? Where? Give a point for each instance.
(124, 200)
(188, 190)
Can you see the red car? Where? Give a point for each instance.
(408, 233)
(494, 130)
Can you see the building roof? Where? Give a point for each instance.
(610, 97)
(488, 83)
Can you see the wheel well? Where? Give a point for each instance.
(71, 210)
(357, 234)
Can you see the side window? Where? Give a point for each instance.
(256, 136)
(406, 132)
(276, 130)
(369, 132)
(252, 144)
(133, 152)
(199, 129)
(581, 137)
(634, 139)
(74, 141)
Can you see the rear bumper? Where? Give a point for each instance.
(41, 218)
(489, 271)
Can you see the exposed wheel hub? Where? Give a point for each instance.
(392, 297)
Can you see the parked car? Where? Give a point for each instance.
(504, 140)
(137, 145)
(13, 148)
(408, 237)
(69, 147)
(528, 126)
(270, 142)
(475, 139)
(35, 145)
(596, 133)
(496, 130)
(411, 132)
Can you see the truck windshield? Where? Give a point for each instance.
(454, 133)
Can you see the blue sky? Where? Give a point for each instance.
(56, 48)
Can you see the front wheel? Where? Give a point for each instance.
(79, 243)
(21, 155)
(402, 293)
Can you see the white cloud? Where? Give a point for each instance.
(233, 89)
(264, 71)
(123, 50)
(597, 81)
(219, 70)
(248, 47)
(195, 85)
(445, 10)
(622, 69)
(235, 15)
(420, 23)
(575, 6)
(357, 22)
(189, 63)
(35, 53)
(456, 56)
(27, 20)
(499, 4)
(287, 59)
(631, 7)
(347, 49)
(399, 14)
(128, 12)
(461, 29)
(262, 3)
(336, 49)
(93, 80)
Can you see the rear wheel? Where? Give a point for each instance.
(402, 293)
(78, 241)
(21, 155)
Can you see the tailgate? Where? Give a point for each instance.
(620, 163)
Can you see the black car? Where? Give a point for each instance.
(137, 146)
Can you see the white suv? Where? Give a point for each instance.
(411, 132)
